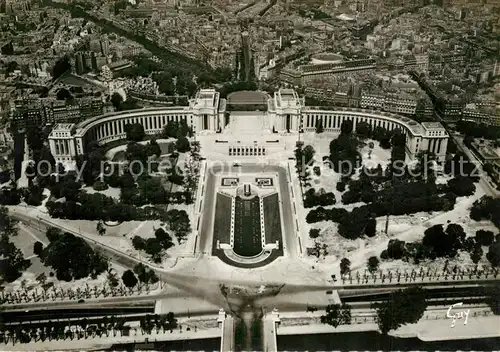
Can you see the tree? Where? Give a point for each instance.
(468, 244)
(129, 279)
(486, 208)
(60, 256)
(363, 129)
(138, 243)
(164, 238)
(308, 153)
(129, 104)
(493, 254)
(476, 254)
(371, 227)
(176, 178)
(99, 186)
(153, 148)
(493, 297)
(135, 132)
(184, 129)
(112, 278)
(345, 266)
(153, 191)
(346, 127)
(154, 248)
(462, 186)
(319, 126)
(317, 170)
(37, 248)
(484, 237)
(337, 314)
(137, 155)
(116, 100)
(457, 235)
(384, 254)
(182, 145)
(403, 307)
(52, 233)
(12, 262)
(440, 243)
(313, 198)
(144, 274)
(344, 154)
(373, 264)
(395, 249)
(179, 223)
(101, 230)
(91, 162)
(398, 152)
(314, 233)
(170, 130)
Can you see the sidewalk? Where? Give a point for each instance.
(441, 330)
(425, 329)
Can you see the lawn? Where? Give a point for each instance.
(222, 220)
(247, 233)
(25, 241)
(272, 220)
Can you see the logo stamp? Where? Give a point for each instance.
(458, 315)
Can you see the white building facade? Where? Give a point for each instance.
(286, 113)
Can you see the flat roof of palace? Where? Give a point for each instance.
(412, 124)
(63, 126)
(432, 125)
(207, 97)
(87, 122)
(247, 97)
(289, 93)
(286, 97)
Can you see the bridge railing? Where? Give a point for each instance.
(58, 294)
(420, 276)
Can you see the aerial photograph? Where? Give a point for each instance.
(249, 175)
